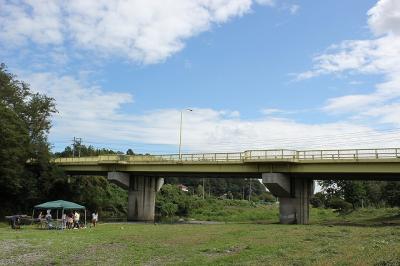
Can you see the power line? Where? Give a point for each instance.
(349, 138)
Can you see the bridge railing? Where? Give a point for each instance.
(349, 154)
(247, 156)
(287, 155)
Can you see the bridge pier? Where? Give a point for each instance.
(142, 197)
(142, 192)
(294, 196)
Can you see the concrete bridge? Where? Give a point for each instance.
(288, 174)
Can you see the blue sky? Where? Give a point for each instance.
(258, 74)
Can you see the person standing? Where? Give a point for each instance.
(76, 219)
(64, 220)
(70, 220)
(40, 216)
(95, 218)
(40, 220)
(49, 220)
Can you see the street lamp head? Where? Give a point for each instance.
(190, 110)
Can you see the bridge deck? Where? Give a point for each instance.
(378, 164)
(252, 156)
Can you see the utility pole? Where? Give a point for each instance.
(209, 188)
(244, 189)
(250, 189)
(76, 143)
(203, 186)
(73, 148)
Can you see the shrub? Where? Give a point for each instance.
(340, 205)
(318, 200)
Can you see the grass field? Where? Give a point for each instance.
(365, 237)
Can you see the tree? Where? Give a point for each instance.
(14, 138)
(353, 192)
(85, 151)
(220, 186)
(392, 193)
(318, 200)
(358, 193)
(25, 122)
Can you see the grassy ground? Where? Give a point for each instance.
(365, 237)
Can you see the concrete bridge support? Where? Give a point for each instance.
(294, 196)
(141, 194)
(142, 197)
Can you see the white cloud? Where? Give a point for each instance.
(271, 111)
(349, 103)
(294, 9)
(143, 31)
(379, 56)
(96, 115)
(266, 2)
(36, 21)
(384, 17)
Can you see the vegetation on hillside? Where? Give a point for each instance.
(348, 195)
(173, 203)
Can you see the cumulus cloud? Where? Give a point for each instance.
(143, 31)
(94, 114)
(384, 17)
(377, 56)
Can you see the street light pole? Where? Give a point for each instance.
(203, 187)
(180, 132)
(250, 189)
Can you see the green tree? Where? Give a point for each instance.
(130, 152)
(391, 193)
(25, 122)
(13, 153)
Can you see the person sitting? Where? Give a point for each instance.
(15, 222)
(49, 220)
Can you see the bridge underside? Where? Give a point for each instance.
(341, 169)
(292, 182)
